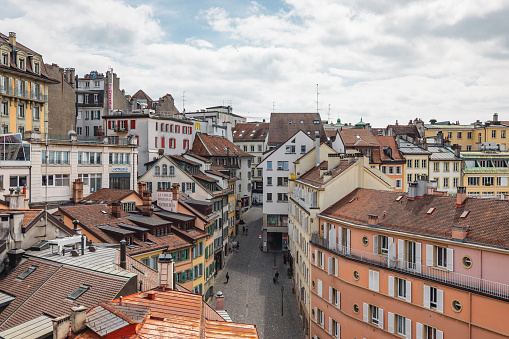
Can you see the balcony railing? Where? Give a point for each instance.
(487, 287)
(3, 245)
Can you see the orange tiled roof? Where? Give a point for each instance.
(355, 137)
(487, 218)
(313, 177)
(380, 156)
(109, 195)
(250, 131)
(207, 145)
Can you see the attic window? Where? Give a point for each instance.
(251, 134)
(26, 272)
(351, 200)
(399, 198)
(430, 211)
(290, 122)
(316, 121)
(302, 121)
(464, 214)
(78, 292)
(104, 212)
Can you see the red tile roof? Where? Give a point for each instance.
(381, 156)
(410, 130)
(206, 146)
(284, 125)
(313, 176)
(171, 314)
(109, 196)
(250, 131)
(142, 95)
(487, 218)
(358, 137)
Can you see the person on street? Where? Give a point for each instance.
(227, 277)
(277, 276)
(238, 246)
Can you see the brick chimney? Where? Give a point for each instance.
(219, 301)
(147, 198)
(165, 269)
(77, 190)
(461, 196)
(175, 190)
(459, 233)
(115, 209)
(61, 326)
(78, 316)
(12, 38)
(372, 220)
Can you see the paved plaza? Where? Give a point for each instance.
(251, 296)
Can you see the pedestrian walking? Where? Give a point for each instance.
(243, 229)
(277, 276)
(274, 280)
(227, 277)
(238, 245)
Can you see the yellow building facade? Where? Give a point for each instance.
(23, 88)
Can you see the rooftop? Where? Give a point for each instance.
(284, 125)
(206, 145)
(354, 138)
(108, 196)
(252, 131)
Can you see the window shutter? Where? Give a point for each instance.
(126, 125)
(338, 331)
(426, 297)
(440, 334)
(371, 279)
(429, 255)
(376, 280)
(133, 124)
(450, 259)
(366, 312)
(391, 286)
(390, 322)
(401, 252)
(336, 267)
(338, 299)
(183, 189)
(440, 301)
(322, 320)
(330, 294)
(348, 241)
(329, 265)
(193, 187)
(408, 334)
(381, 318)
(418, 330)
(330, 325)
(316, 257)
(418, 261)
(391, 260)
(109, 124)
(323, 260)
(409, 291)
(319, 283)
(375, 244)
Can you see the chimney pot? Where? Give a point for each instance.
(461, 196)
(151, 295)
(165, 267)
(61, 327)
(115, 209)
(78, 317)
(372, 219)
(459, 233)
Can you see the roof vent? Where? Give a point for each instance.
(151, 295)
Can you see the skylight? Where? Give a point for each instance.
(464, 214)
(78, 292)
(399, 198)
(26, 272)
(431, 210)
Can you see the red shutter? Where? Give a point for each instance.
(133, 124)
(156, 140)
(156, 126)
(126, 126)
(109, 124)
(166, 127)
(190, 130)
(171, 128)
(138, 140)
(162, 142)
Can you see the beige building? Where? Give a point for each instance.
(319, 180)
(61, 100)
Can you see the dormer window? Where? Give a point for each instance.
(5, 59)
(21, 64)
(36, 68)
(26, 272)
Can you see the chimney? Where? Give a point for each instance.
(12, 38)
(219, 301)
(495, 118)
(317, 150)
(83, 241)
(457, 151)
(72, 76)
(78, 317)
(77, 190)
(165, 269)
(15, 256)
(372, 220)
(123, 254)
(412, 190)
(175, 191)
(422, 185)
(115, 209)
(16, 224)
(461, 196)
(151, 295)
(460, 233)
(142, 186)
(61, 326)
(147, 198)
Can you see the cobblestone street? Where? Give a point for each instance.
(251, 296)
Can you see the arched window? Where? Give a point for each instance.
(172, 170)
(165, 169)
(157, 170)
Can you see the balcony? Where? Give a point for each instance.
(3, 245)
(490, 288)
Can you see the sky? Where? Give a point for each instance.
(379, 60)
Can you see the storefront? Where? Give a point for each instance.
(120, 178)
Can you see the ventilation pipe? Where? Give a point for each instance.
(317, 151)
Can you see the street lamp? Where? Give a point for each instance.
(282, 290)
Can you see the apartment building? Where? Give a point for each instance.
(23, 87)
(410, 267)
(278, 167)
(486, 173)
(155, 134)
(218, 115)
(61, 100)
(389, 161)
(252, 138)
(445, 165)
(321, 178)
(417, 161)
(284, 125)
(359, 140)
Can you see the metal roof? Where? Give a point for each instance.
(148, 220)
(38, 327)
(132, 227)
(115, 229)
(442, 153)
(177, 216)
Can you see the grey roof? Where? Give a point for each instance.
(439, 153)
(103, 260)
(132, 227)
(36, 328)
(198, 202)
(5, 299)
(148, 220)
(409, 148)
(177, 216)
(115, 229)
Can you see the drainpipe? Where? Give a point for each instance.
(30, 181)
(123, 255)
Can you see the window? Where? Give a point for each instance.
(488, 181)
(334, 328)
(409, 164)
(22, 64)
(446, 167)
(502, 133)
(319, 317)
(473, 181)
(469, 135)
(436, 167)
(269, 196)
(78, 292)
(5, 58)
(269, 165)
(493, 134)
(21, 111)
(269, 181)
(86, 99)
(384, 169)
(428, 332)
(469, 147)
(5, 108)
(416, 163)
(409, 254)
(433, 298)
(455, 182)
(282, 165)
(374, 283)
(35, 113)
(398, 184)
(17, 180)
(282, 197)
(446, 182)
(381, 244)
(374, 315)
(282, 181)
(259, 172)
(157, 170)
(87, 130)
(409, 177)
(245, 148)
(449, 135)
(252, 148)
(87, 84)
(334, 297)
(459, 135)
(456, 166)
(424, 163)
(96, 98)
(290, 149)
(26, 272)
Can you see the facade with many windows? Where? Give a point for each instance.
(417, 161)
(23, 88)
(486, 173)
(430, 267)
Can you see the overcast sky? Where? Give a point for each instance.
(382, 60)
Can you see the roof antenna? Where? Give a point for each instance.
(317, 98)
(328, 115)
(273, 106)
(183, 101)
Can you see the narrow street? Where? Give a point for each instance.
(250, 295)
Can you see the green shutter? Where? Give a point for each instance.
(183, 279)
(183, 187)
(193, 187)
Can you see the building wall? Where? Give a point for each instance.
(413, 171)
(61, 100)
(451, 174)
